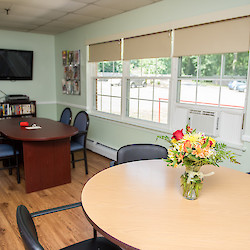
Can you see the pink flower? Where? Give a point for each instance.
(178, 135)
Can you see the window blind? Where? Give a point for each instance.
(219, 37)
(107, 51)
(148, 46)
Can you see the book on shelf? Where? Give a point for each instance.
(26, 108)
(33, 108)
(7, 109)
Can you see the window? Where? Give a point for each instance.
(108, 87)
(148, 89)
(156, 80)
(216, 79)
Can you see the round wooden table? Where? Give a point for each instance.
(139, 205)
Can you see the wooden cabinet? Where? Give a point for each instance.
(26, 109)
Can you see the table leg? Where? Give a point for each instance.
(46, 164)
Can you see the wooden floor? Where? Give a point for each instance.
(56, 230)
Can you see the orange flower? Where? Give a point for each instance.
(206, 151)
(198, 152)
(179, 157)
(187, 144)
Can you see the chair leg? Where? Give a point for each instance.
(9, 164)
(95, 233)
(18, 175)
(17, 170)
(73, 159)
(85, 160)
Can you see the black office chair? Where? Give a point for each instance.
(9, 152)
(29, 236)
(78, 142)
(137, 152)
(66, 116)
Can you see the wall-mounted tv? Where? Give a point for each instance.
(16, 64)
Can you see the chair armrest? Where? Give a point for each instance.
(82, 132)
(112, 163)
(56, 209)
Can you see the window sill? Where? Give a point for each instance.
(162, 128)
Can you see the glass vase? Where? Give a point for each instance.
(191, 185)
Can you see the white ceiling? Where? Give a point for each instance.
(56, 16)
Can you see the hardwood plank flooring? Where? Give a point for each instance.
(55, 230)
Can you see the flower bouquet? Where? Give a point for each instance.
(193, 150)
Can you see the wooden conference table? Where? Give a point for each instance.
(139, 205)
(46, 151)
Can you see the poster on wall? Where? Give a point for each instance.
(71, 72)
(64, 57)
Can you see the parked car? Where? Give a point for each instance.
(115, 82)
(242, 87)
(235, 84)
(138, 83)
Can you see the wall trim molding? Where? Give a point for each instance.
(72, 105)
(46, 102)
(63, 103)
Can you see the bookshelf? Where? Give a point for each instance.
(9, 110)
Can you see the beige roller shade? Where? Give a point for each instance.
(108, 51)
(148, 46)
(220, 37)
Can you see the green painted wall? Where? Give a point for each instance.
(133, 22)
(143, 20)
(42, 88)
(45, 88)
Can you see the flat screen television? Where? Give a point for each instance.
(16, 64)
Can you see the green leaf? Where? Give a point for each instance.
(192, 157)
(206, 143)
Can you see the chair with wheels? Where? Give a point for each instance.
(137, 152)
(9, 152)
(78, 142)
(30, 239)
(66, 116)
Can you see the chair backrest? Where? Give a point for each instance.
(82, 123)
(136, 152)
(66, 116)
(27, 229)
(7, 150)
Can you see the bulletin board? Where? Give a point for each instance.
(71, 81)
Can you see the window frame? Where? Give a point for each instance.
(222, 77)
(124, 118)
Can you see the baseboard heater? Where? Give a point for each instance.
(101, 149)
